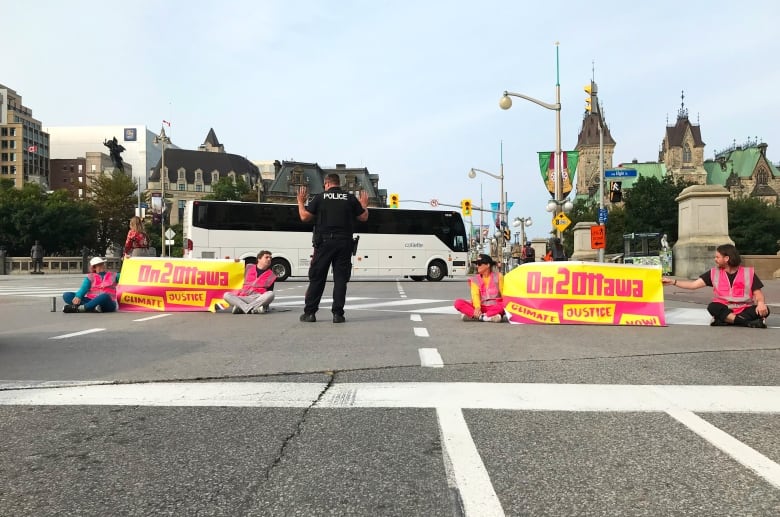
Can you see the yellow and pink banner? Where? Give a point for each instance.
(575, 293)
(176, 285)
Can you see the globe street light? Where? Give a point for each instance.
(522, 223)
(506, 102)
(162, 139)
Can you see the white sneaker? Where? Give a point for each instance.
(494, 319)
(261, 310)
(236, 310)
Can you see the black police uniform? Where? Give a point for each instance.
(335, 212)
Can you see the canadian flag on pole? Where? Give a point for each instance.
(167, 123)
(32, 149)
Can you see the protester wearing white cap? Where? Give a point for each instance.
(97, 292)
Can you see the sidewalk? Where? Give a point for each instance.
(703, 296)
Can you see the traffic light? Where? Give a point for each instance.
(507, 234)
(465, 207)
(615, 192)
(395, 200)
(591, 101)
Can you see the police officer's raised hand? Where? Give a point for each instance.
(364, 199)
(303, 194)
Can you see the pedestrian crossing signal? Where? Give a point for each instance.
(465, 207)
(395, 200)
(616, 192)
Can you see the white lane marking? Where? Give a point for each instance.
(430, 358)
(471, 477)
(393, 303)
(74, 334)
(155, 317)
(472, 395)
(744, 454)
(415, 317)
(421, 332)
(400, 289)
(227, 394)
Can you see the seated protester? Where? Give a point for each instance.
(486, 287)
(257, 293)
(97, 292)
(736, 290)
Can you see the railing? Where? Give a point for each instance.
(54, 265)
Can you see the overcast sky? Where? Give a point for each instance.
(408, 89)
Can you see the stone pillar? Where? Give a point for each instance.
(582, 249)
(702, 226)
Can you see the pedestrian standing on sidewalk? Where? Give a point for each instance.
(737, 296)
(486, 302)
(36, 254)
(334, 213)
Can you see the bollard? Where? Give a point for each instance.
(2, 260)
(84, 264)
(53, 304)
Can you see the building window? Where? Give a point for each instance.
(198, 188)
(214, 177)
(762, 177)
(686, 153)
(182, 186)
(198, 176)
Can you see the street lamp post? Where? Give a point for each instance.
(501, 205)
(522, 223)
(506, 102)
(162, 139)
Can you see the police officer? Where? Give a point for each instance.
(333, 213)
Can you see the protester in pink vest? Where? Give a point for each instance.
(737, 297)
(486, 287)
(257, 294)
(97, 292)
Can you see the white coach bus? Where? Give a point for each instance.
(418, 244)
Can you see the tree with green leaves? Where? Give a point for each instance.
(63, 226)
(651, 207)
(754, 226)
(226, 190)
(114, 198)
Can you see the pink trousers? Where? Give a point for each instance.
(467, 308)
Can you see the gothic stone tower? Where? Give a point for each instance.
(588, 146)
(682, 150)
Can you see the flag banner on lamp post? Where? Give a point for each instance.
(495, 208)
(568, 170)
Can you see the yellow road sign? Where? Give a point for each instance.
(561, 221)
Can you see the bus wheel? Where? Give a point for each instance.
(281, 269)
(436, 271)
(417, 278)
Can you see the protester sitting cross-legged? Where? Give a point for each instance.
(257, 293)
(737, 296)
(486, 287)
(97, 292)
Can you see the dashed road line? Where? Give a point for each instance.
(430, 358)
(421, 332)
(156, 316)
(80, 333)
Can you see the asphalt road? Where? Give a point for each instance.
(403, 410)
